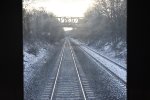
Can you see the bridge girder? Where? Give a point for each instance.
(69, 21)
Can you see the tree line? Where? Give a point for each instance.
(104, 22)
(39, 25)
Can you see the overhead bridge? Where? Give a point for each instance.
(70, 21)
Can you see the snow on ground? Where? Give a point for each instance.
(111, 66)
(37, 67)
(34, 62)
(30, 60)
(109, 53)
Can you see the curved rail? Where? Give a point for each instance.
(107, 59)
(106, 68)
(115, 75)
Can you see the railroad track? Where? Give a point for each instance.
(67, 82)
(104, 66)
(122, 67)
(108, 59)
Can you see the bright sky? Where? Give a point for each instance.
(74, 8)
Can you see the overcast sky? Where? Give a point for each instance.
(75, 8)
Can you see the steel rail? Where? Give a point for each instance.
(77, 71)
(53, 90)
(98, 62)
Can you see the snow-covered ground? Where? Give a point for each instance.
(109, 53)
(112, 54)
(111, 66)
(38, 59)
(33, 63)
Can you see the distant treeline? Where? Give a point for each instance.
(38, 25)
(104, 22)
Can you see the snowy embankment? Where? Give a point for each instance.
(109, 53)
(113, 54)
(33, 63)
(121, 73)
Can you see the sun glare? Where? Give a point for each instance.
(73, 8)
(67, 28)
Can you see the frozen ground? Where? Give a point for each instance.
(105, 85)
(111, 66)
(109, 53)
(114, 55)
(34, 62)
(34, 68)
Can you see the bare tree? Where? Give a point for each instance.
(40, 25)
(106, 21)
